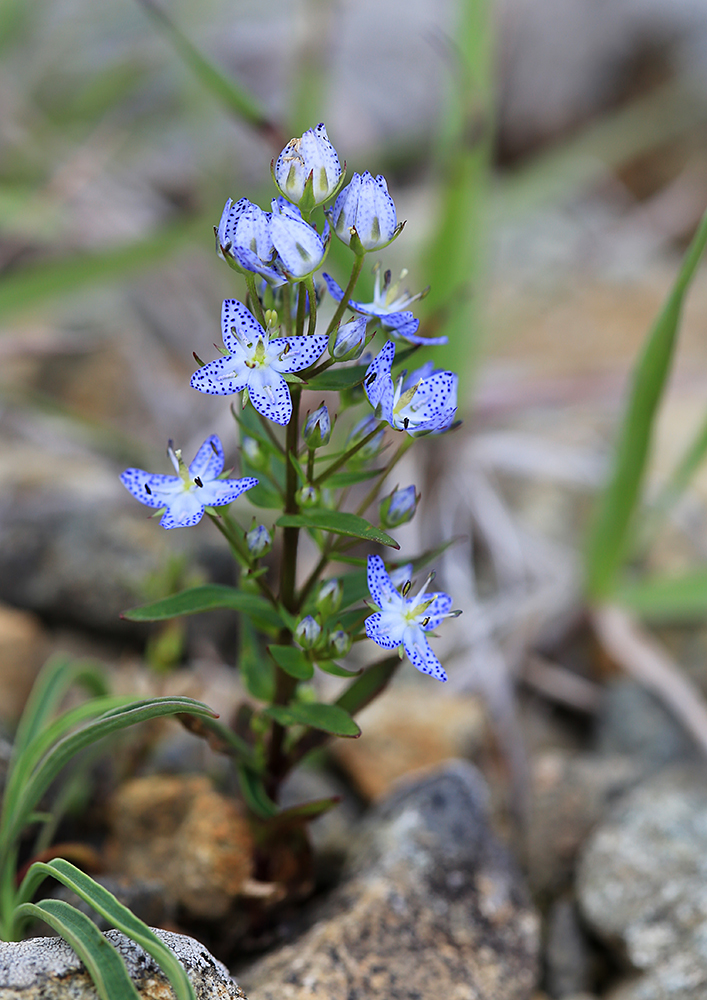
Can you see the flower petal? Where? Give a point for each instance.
(379, 583)
(378, 373)
(222, 491)
(336, 291)
(151, 488)
(208, 462)
(438, 610)
(420, 653)
(273, 400)
(184, 511)
(303, 352)
(214, 380)
(372, 625)
(235, 314)
(376, 218)
(230, 216)
(299, 245)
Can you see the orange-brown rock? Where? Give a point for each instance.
(22, 649)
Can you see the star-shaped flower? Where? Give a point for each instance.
(185, 495)
(256, 363)
(424, 403)
(364, 214)
(390, 306)
(404, 620)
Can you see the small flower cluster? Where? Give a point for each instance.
(272, 351)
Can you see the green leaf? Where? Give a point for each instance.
(329, 718)
(105, 903)
(256, 670)
(674, 599)
(339, 523)
(293, 661)
(608, 537)
(103, 962)
(329, 667)
(305, 813)
(253, 791)
(336, 379)
(340, 479)
(66, 749)
(369, 685)
(206, 598)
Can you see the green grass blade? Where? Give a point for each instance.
(67, 748)
(667, 599)
(234, 97)
(608, 535)
(105, 903)
(678, 481)
(103, 963)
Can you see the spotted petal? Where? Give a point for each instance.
(231, 214)
(222, 491)
(378, 373)
(235, 314)
(438, 610)
(303, 352)
(208, 461)
(299, 245)
(218, 378)
(273, 400)
(152, 489)
(420, 653)
(184, 511)
(373, 625)
(379, 583)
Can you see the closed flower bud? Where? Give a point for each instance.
(399, 507)
(317, 430)
(339, 642)
(308, 496)
(361, 430)
(311, 155)
(329, 596)
(254, 453)
(364, 214)
(258, 540)
(307, 632)
(350, 340)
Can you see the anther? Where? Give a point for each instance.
(406, 422)
(406, 588)
(425, 622)
(148, 490)
(371, 378)
(197, 481)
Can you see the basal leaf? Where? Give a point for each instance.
(253, 791)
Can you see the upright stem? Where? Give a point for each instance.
(309, 283)
(371, 495)
(355, 271)
(255, 301)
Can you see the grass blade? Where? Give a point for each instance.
(105, 903)
(667, 599)
(608, 535)
(103, 962)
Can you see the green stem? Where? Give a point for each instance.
(255, 301)
(336, 318)
(343, 459)
(309, 283)
(310, 465)
(371, 495)
(242, 556)
(301, 309)
(287, 308)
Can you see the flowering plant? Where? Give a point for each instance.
(302, 467)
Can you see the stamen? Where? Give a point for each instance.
(371, 378)
(425, 621)
(197, 481)
(148, 490)
(406, 588)
(213, 448)
(406, 423)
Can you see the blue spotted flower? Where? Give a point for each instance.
(185, 495)
(390, 306)
(256, 363)
(423, 403)
(299, 246)
(244, 239)
(403, 621)
(364, 216)
(310, 155)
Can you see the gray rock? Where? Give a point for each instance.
(634, 722)
(568, 959)
(432, 905)
(642, 886)
(47, 968)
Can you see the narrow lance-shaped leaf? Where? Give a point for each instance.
(339, 523)
(329, 718)
(667, 599)
(103, 962)
(293, 661)
(607, 541)
(205, 598)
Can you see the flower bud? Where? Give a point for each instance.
(364, 215)
(399, 507)
(307, 632)
(350, 340)
(317, 430)
(339, 642)
(361, 430)
(309, 155)
(308, 496)
(329, 596)
(254, 453)
(258, 540)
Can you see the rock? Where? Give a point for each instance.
(23, 647)
(570, 794)
(178, 830)
(568, 960)
(641, 885)
(407, 731)
(432, 905)
(633, 721)
(45, 968)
